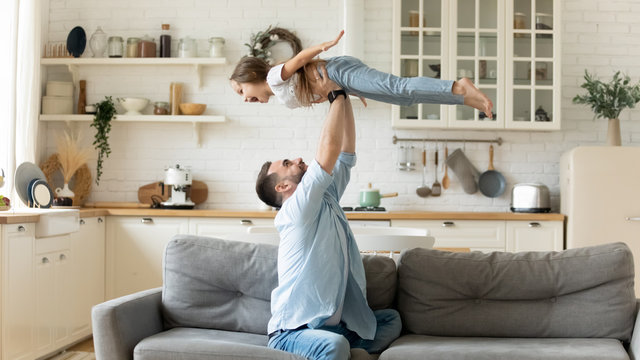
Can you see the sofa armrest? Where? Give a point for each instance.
(634, 344)
(119, 324)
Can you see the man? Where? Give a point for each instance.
(319, 309)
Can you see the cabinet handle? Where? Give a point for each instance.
(147, 220)
(246, 222)
(81, 221)
(448, 224)
(637, 218)
(45, 260)
(63, 257)
(21, 228)
(100, 220)
(534, 224)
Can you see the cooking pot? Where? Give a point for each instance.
(371, 197)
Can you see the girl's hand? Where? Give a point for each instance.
(364, 101)
(329, 44)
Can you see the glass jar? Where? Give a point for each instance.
(519, 22)
(161, 108)
(216, 47)
(98, 42)
(147, 47)
(132, 47)
(115, 47)
(187, 48)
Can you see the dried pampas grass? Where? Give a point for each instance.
(70, 155)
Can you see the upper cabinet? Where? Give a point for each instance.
(508, 48)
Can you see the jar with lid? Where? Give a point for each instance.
(519, 22)
(147, 47)
(216, 47)
(132, 47)
(161, 108)
(115, 47)
(187, 48)
(165, 41)
(98, 42)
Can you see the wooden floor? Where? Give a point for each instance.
(86, 346)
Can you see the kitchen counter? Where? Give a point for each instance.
(13, 218)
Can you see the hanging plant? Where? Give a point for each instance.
(105, 112)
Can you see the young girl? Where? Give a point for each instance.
(292, 82)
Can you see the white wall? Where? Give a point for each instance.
(598, 35)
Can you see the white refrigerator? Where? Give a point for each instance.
(600, 196)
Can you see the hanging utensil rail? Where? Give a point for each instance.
(495, 141)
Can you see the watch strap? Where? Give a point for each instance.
(335, 93)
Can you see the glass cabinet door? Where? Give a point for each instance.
(477, 32)
(533, 56)
(419, 44)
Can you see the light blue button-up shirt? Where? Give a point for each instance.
(312, 228)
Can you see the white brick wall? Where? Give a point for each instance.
(599, 35)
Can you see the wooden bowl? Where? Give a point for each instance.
(192, 109)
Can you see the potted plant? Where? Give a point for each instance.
(105, 111)
(607, 100)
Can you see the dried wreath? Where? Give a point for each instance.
(262, 41)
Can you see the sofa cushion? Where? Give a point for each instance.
(206, 344)
(220, 284)
(581, 293)
(482, 348)
(382, 279)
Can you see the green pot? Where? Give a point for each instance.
(371, 197)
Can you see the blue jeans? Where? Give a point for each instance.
(359, 79)
(335, 342)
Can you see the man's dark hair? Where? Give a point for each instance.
(266, 187)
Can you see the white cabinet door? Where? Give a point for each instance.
(225, 228)
(135, 246)
(88, 246)
(17, 291)
(535, 235)
(481, 235)
(54, 286)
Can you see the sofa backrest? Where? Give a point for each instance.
(226, 285)
(585, 293)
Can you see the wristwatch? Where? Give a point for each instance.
(335, 93)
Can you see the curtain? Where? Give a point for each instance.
(19, 87)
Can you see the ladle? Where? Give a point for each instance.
(423, 190)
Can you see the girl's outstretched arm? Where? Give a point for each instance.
(303, 57)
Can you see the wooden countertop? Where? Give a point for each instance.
(14, 218)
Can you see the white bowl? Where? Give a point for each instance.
(133, 105)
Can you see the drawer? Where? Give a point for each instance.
(482, 235)
(27, 229)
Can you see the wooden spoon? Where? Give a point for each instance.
(445, 179)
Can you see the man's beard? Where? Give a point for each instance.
(295, 178)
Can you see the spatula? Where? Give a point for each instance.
(435, 188)
(423, 190)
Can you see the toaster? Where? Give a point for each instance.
(530, 198)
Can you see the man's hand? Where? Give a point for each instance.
(322, 86)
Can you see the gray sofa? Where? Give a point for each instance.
(214, 304)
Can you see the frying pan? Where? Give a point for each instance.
(491, 183)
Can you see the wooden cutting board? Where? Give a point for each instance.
(198, 192)
(154, 189)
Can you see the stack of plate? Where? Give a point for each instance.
(32, 187)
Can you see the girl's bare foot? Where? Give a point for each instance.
(473, 96)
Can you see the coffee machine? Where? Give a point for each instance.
(179, 178)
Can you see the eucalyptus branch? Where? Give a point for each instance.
(607, 100)
(106, 110)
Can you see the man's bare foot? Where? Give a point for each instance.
(473, 96)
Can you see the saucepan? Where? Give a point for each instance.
(371, 197)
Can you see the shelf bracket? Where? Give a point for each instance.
(73, 70)
(198, 70)
(196, 133)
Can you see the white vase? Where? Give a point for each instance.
(613, 133)
(98, 42)
(65, 191)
